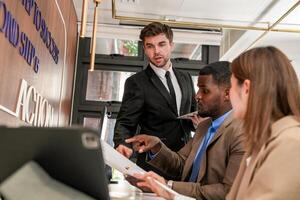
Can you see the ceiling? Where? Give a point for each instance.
(234, 12)
(255, 13)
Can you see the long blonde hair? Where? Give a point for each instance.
(274, 92)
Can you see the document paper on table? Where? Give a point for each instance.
(117, 161)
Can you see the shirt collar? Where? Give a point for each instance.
(160, 71)
(217, 122)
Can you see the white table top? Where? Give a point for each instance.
(123, 190)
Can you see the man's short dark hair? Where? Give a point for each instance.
(156, 28)
(220, 71)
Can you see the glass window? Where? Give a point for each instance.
(189, 51)
(195, 81)
(91, 122)
(107, 46)
(109, 131)
(105, 85)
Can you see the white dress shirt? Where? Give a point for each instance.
(161, 74)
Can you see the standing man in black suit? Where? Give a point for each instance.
(155, 97)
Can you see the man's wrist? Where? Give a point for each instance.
(170, 184)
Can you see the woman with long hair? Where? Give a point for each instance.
(265, 95)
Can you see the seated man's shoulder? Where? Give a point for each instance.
(235, 130)
(236, 123)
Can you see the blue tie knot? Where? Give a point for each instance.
(212, 129)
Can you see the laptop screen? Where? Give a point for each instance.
(72, 156)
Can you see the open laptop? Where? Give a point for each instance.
(72, 156)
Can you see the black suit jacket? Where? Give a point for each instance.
(147, 103)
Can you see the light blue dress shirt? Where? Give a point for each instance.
(205, 142)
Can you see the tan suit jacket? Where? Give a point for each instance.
(219, 165)
(275, 172)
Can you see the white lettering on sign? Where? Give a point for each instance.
(32, 107)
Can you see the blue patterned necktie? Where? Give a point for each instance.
(200, 153)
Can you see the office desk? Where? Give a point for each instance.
(123, 190)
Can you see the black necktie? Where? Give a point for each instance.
(171, 89)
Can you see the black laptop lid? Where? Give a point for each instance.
(70, 155)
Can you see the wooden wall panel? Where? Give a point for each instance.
(54, 81)
(69, 71)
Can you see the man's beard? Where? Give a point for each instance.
(204, 114)
(165, 61)
(207, 112)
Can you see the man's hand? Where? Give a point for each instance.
(125, 151)
(135, 182)
(196, 119)
(148, 180)
(144, 143)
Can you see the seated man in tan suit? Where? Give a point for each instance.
(208, 163)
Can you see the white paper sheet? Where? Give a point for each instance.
(117, 161)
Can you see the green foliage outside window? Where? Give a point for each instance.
(132, 47)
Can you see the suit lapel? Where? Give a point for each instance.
(221, 129)
(160, 87)
(235, 189)
(184, 89)
(203, 162)
(219, 132)
(200, 133)
(247, 174)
